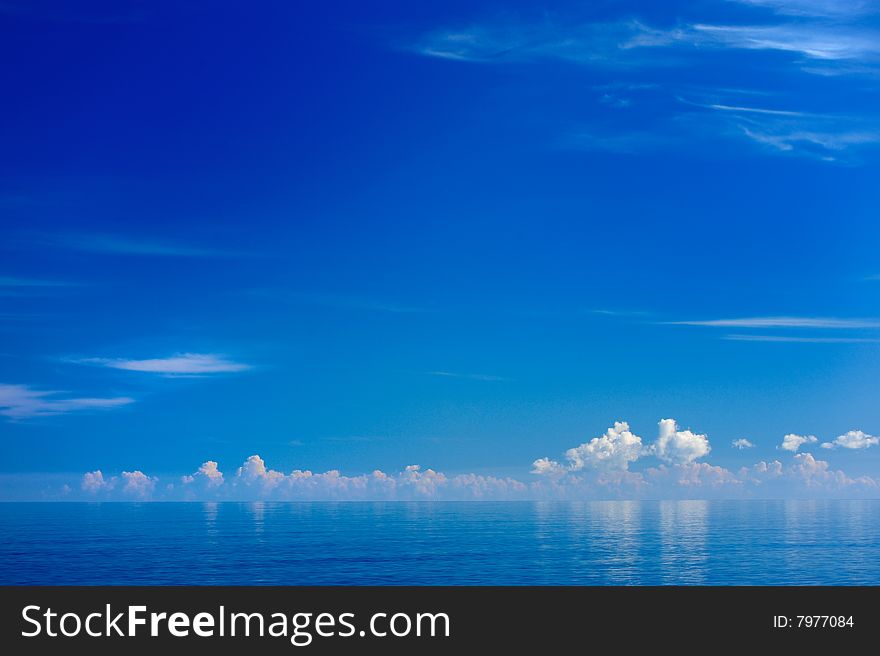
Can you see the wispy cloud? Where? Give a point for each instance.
(452, 374)
(8, 281)
(814, 41)
(181, 364)
(127, 245)
(813, 45)
(783, 322)
(817, 8)
(618, 43)
(11, 286)
(802, 340)
(742, 443)
(23, 402)
(341, 301)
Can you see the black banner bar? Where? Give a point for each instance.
(433, 620)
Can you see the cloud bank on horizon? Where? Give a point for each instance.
(597, 469)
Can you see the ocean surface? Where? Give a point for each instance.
(528, 543)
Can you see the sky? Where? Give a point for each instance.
(439, 250)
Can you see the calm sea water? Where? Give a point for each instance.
(540, 543)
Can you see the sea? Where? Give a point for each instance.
(442, 543)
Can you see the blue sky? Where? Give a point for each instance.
(463, 235)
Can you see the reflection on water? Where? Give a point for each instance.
(683, 552)
(542, 543)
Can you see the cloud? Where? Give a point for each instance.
(816, 8)
(138, 484)
(854, 439)
(255, 480)
(94, 481)
(818, 473)
(339, 301)
(413, 482)
(806, 476)
(483, 377)
(208, 474)
(124, 245)
(128, 484)
(618, 43)
(792, 442)
(827, 137)
(11, 286)
(180, 364)
(614, 450)
(783, 322)
(814, 41)
(742, 443)
(8, 281)
(679, 447)
(801, 340)
(691, 475)
(23, 402)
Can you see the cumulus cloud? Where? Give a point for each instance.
(138, 484)
(94, 481)
(254, 480)
(792, 442)
(208, 474)
(693, 474)
(742, 443)
(613, 451)
(814, 472)
(23, 402)
(854, 439)
(180, 364)
(131, 484)
(597, 469)
(679, 447)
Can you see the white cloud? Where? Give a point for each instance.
(23, 402)
(7, 281)
(482, 377)
(692, 474)
(679, 447)
(817, 8)
(787, 339)
(831, 43)
(813, 473)
(761, 472)
(783, 322)
(614, 450)
(742, 443)
(94, 481)
(123, 245)
(129, 484)
(792, 442)
(254, 480)
(854, 439)
(616, 43)
(208, 474)
(180, 364)
(547, 467)
(138, 484)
